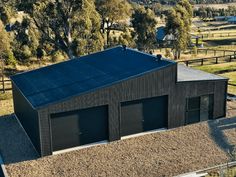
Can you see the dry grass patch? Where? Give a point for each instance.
(216, 6)
(6, 103)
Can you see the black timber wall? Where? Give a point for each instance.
(158, 83)
(27, 116)
(153, 84)
(184, 90)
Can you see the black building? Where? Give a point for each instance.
(110, 94)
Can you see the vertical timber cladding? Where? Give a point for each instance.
(86, 126)
(152, 84)
(220, 99)
(27, 116)
(144, 115)
(183, 91)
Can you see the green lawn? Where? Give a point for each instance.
(215, 69)
(232, 80)
(231, 76)
(228, 69)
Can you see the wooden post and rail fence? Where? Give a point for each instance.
(216, 35)
(209, 60)
(5, 85)
(214, 52)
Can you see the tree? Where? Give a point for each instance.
(112, 11)
(179, 20)
(6, 55)
(69, 26)
(6, 10)
(144, 24)
(124, 38)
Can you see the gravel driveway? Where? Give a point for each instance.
(168, 153)
(14, 143)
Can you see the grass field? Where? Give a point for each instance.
(216, 6)
(6, 103)
(226, 69)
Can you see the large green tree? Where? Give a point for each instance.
(6, 55)
(144, 24)
(70, 26)
(4, 41)
(112, 11)
(179, 20)
(7, 10)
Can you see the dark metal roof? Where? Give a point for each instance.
(189, 74)
(160, 34)
(78, 76)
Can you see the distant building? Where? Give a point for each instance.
(220, 18)
(163, 38)
(232, 20)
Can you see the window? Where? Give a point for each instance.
(199, 109)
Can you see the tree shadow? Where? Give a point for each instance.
(217, 128)
(15, 145)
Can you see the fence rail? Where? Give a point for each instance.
(206, 36)
(234, 85)
(208, 60)
(213, 51)
(5, 85)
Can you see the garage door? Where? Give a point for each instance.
(81, 127)
(144, 115)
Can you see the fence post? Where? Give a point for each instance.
(3, 84)
(230, 58)
(216, 60)
(186, 63)
(202, 62)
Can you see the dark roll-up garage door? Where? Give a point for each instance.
(80, 127)
(144, 115)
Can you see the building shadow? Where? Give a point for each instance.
(217, 128)
(15, 145)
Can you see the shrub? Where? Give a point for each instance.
(168, 53)
(40, 53)
(26, 52)
(57, 56)
(10, 59)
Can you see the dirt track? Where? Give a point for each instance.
(167, 153)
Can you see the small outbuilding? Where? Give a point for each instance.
(232, 20)
(110, 94)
